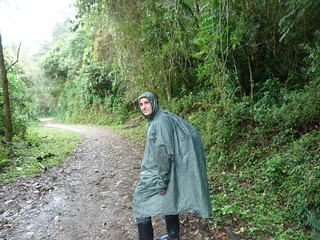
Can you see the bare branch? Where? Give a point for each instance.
(17, 58)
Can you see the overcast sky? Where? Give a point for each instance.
(31, 21)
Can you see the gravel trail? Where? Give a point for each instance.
(89, 197)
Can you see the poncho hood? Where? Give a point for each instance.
(153, 101)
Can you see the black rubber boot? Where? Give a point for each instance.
(173, 228)
(145, 230)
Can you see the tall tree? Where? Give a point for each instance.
(5, 92)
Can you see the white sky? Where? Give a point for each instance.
(31, 21)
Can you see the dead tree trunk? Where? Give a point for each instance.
(5, 96)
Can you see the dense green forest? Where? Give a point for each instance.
(245, 73)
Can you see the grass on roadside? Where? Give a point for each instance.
(135, 132)
(50, 145)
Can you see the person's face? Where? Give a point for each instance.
(145, 107)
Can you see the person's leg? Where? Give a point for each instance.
(145, 228)
(173, 228)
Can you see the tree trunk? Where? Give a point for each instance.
(5, 92)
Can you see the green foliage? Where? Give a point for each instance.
(262, 158)
(285, 109)
(4, 161)
(235, 40)
(96, 92)
(167, 60)
(59, 65)
(239, 199)
(21, 107)
(65, 56)
(20, 102)
(295, 173)
(44, 101)
(151, 40)
(298, 19)
(245, 73)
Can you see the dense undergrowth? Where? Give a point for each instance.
(263, 162)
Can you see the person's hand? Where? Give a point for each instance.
(162, 192)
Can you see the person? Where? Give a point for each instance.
(173, 177)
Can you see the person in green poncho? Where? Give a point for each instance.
(173, 176)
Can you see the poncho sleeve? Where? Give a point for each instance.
(163, 149)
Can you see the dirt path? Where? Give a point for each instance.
(89, 197)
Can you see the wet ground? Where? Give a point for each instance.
(89, 197)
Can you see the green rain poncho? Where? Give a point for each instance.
(173, 161)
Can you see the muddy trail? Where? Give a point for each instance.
(88, 197)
